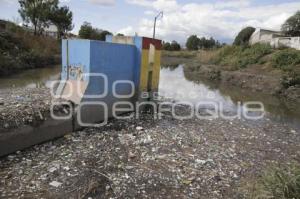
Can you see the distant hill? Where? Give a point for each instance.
(20, 49)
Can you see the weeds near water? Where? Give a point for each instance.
(242, 56)
(276, 183)
(286, 59)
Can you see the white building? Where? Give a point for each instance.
(275, 38)
(51, 31)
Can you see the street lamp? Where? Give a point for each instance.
(161, 14)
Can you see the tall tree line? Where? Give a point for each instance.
(196, 43)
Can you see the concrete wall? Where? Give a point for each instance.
(262, 36)
(291, 42)
(148, 60)
(275, 39)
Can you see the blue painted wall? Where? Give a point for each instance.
(116, 61)
(77, 53)
(138, 42)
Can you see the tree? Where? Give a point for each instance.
(37, 12)
(208, 43)
(292, 25)
(175, 46)
(192, 42)
(120, 35)
(166, 46)
(62, 18)
(244, 36)
(103, 34)
(88, 32)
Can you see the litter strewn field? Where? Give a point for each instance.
(149, 158)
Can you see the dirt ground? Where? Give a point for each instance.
(149, 158)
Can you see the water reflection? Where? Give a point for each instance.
(34, 78)
(179, 84)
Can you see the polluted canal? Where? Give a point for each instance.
(154, 158)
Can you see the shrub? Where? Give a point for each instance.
(244, 36)
(242, 56)
(285, 59)
(253, 54)
(19, 50)
(292, 79)
(277, 182)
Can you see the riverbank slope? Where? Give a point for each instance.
(257, 68)
(21, 50)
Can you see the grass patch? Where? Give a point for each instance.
(241, 56)
(180, 54)
(276, 183)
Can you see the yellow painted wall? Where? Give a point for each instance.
(145, 68)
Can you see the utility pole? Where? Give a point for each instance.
(161, 14)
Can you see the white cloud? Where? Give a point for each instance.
(222, 20)
(149, 12)
(10, 2)
(166, 5)
(103, 2)
(145, 3)
(127, 31)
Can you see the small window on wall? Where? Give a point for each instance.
(151, 55)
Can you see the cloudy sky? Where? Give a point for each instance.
(221, 19)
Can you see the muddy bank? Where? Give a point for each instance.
(147, 158)
(248, 79)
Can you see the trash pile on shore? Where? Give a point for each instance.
(147, 158)
(26, 106)
(23, 106)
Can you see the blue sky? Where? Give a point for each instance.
(221, 19)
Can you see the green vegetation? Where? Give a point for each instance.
(42, 13)
(292, 25)
(62, 18)
(242, 56)
(286, 59)
(21, 50)
(192, 42)
(195, 43)
(276, 182)
(244, 36)
(259, 58)
(179, 54)
(88, 32)
(173, 46)
(291, 79)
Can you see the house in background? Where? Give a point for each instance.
(50, 31)
(275, 38)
